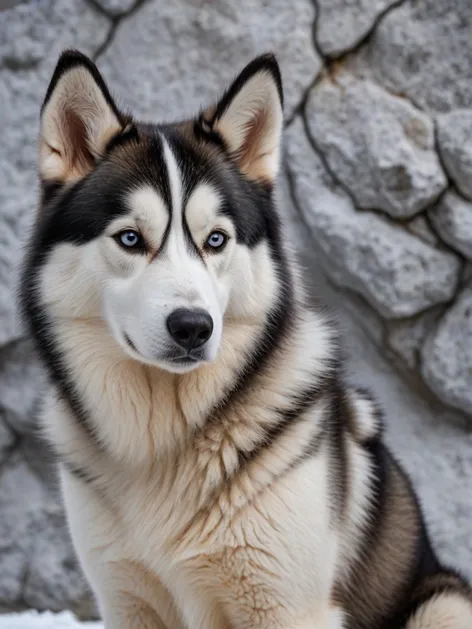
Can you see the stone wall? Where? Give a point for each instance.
(377, 185)
(387, 130)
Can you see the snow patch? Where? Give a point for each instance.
(46, 620)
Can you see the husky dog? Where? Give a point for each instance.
(216, 470)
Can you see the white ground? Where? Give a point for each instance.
(33, 620)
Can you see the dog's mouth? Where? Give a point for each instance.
(171, 358)
(186, 359)
(181, 363)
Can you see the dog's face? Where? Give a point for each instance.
(162, 231)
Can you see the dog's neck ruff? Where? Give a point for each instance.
(135, 412)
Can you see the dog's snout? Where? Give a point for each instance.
(190, 328)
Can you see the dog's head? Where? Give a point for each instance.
(163, 231)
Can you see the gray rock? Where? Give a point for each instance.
(467, 273)
(452, 219)
(396, 272)
(36, 554)
(455, 144)
(15, 542)
(427, 438)
(21, 382)
(405, 337)
(423, 50)
(7, 439)
(54, 580)
(32, 35)
(117, 8)
(18, 197)
(447, 355)
(38, 564)
(421, 228)
(311, 257)
(171, 58)
(342, 24)
(379, 146)
(8, 4)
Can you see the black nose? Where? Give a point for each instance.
(190, 328)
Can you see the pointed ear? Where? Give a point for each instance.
(78, 119)
(249, 119)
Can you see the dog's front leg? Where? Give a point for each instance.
(129, 612)
(129, 595)
(147, 605)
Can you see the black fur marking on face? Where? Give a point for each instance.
(129, 134)
(191, 168)
(83, 212)
(49, 190)
(203, 130)
(247, 204)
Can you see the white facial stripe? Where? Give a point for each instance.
(175, 185)
(149, 212)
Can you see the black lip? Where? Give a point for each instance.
(182, 360)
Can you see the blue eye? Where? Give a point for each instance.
(216, 240)
(129, 238)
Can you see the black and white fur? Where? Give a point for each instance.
(216, 470)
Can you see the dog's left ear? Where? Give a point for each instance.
(78, 119)
(249, 119)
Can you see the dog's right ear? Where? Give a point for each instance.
(78, 120)
(249, 119)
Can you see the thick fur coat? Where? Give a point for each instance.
(217, 471)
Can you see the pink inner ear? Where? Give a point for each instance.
(250, 151)
(79, 155)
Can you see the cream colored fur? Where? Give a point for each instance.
(446, 611)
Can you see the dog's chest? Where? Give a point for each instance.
(167, 514)
(172, 520)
